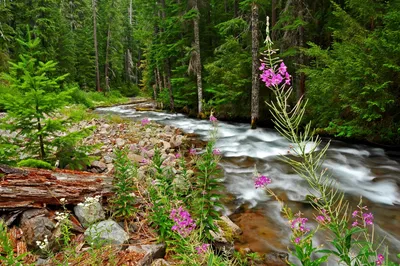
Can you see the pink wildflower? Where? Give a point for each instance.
(202, 249)
(216, 152)
(213, 119)
(145, 121)
(262, 181)
(192, 151)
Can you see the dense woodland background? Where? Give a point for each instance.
(344, 55)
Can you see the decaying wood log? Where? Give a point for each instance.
(28, 187)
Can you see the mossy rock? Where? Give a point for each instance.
(35, 164)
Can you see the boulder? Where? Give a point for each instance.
(276, 259)
(107, 232)
(98, 167)
(160, 262)
(89, 213)
(223, 240)
(151, 253)
(36, 226)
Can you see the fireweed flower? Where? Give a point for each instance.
(202, 249)
(192, 151)
(380, 259)
(145, 121)
(354, 214)
(320, 219)
(213, 118)
(354, 224)
(184, 224)
(271, 78)
(216, 152)
(297, 240)
(300, 224)
(178, 155)
(368, 218)
(262, 181)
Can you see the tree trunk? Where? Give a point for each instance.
(236, 8)
(41, 143)
(96, 52)
(198, 59)
(255, 84)
(273, 20)
(106, 65)
(160, 86)
(28, 187)
(301, 77)
(171, 95)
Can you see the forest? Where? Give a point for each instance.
(200, 55)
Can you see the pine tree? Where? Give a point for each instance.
(33, 98)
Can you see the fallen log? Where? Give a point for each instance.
(29, 187)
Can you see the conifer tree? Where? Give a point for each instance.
(33, 97)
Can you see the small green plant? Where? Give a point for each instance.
(207, 184)
(35, 164)
(123, 201)
(38, 96)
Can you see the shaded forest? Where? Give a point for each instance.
(199, 56)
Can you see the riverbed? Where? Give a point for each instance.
(359, 170)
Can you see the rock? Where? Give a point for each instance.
(235, 229)
(135, 157)
(36, 226)
(166, 145)
(276, 259)
(98, 167)
(176, 141)
(108, 159)
(107, 232)
(120, 142)
(167, 129)
(160, 262)
(89, 213)
(151, 252)
(41, 261)
(223, 239)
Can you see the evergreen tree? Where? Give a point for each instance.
(33, 97)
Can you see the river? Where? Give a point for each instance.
(359, 170)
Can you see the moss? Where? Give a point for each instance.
(227, 231)
(35, 164)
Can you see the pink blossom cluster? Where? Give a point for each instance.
(262, 181)
(184, 224)
(145, 121)
(324, 218)
(273, 78)
(202, 249)
(300, 224)
(367, 218)
(380, 259)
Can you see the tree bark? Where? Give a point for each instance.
(255, 84)
(198, 59)
(96, 52)
(106, 65)
(273, 20)
(171, 95)
(301, 76)
(28, 187)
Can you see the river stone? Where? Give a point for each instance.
(107, 232)
(151, 252)
(89, 213)
(235, 229)
(36, 226)
(108, 159)
(97, 167)
(160, 262)
(120, 142)
(166, 145)
(276, 259)
(135, 157)
(176, 141)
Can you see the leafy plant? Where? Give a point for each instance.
(123, 201)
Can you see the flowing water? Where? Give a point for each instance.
(359, 170)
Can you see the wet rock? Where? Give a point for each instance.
(176, 141)
(276, 259)
(151, 253)
(236, 231)
(98, 167)
(107, 232)
(89, 213)
(41, 261)
(36, 226)
(166, 145)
